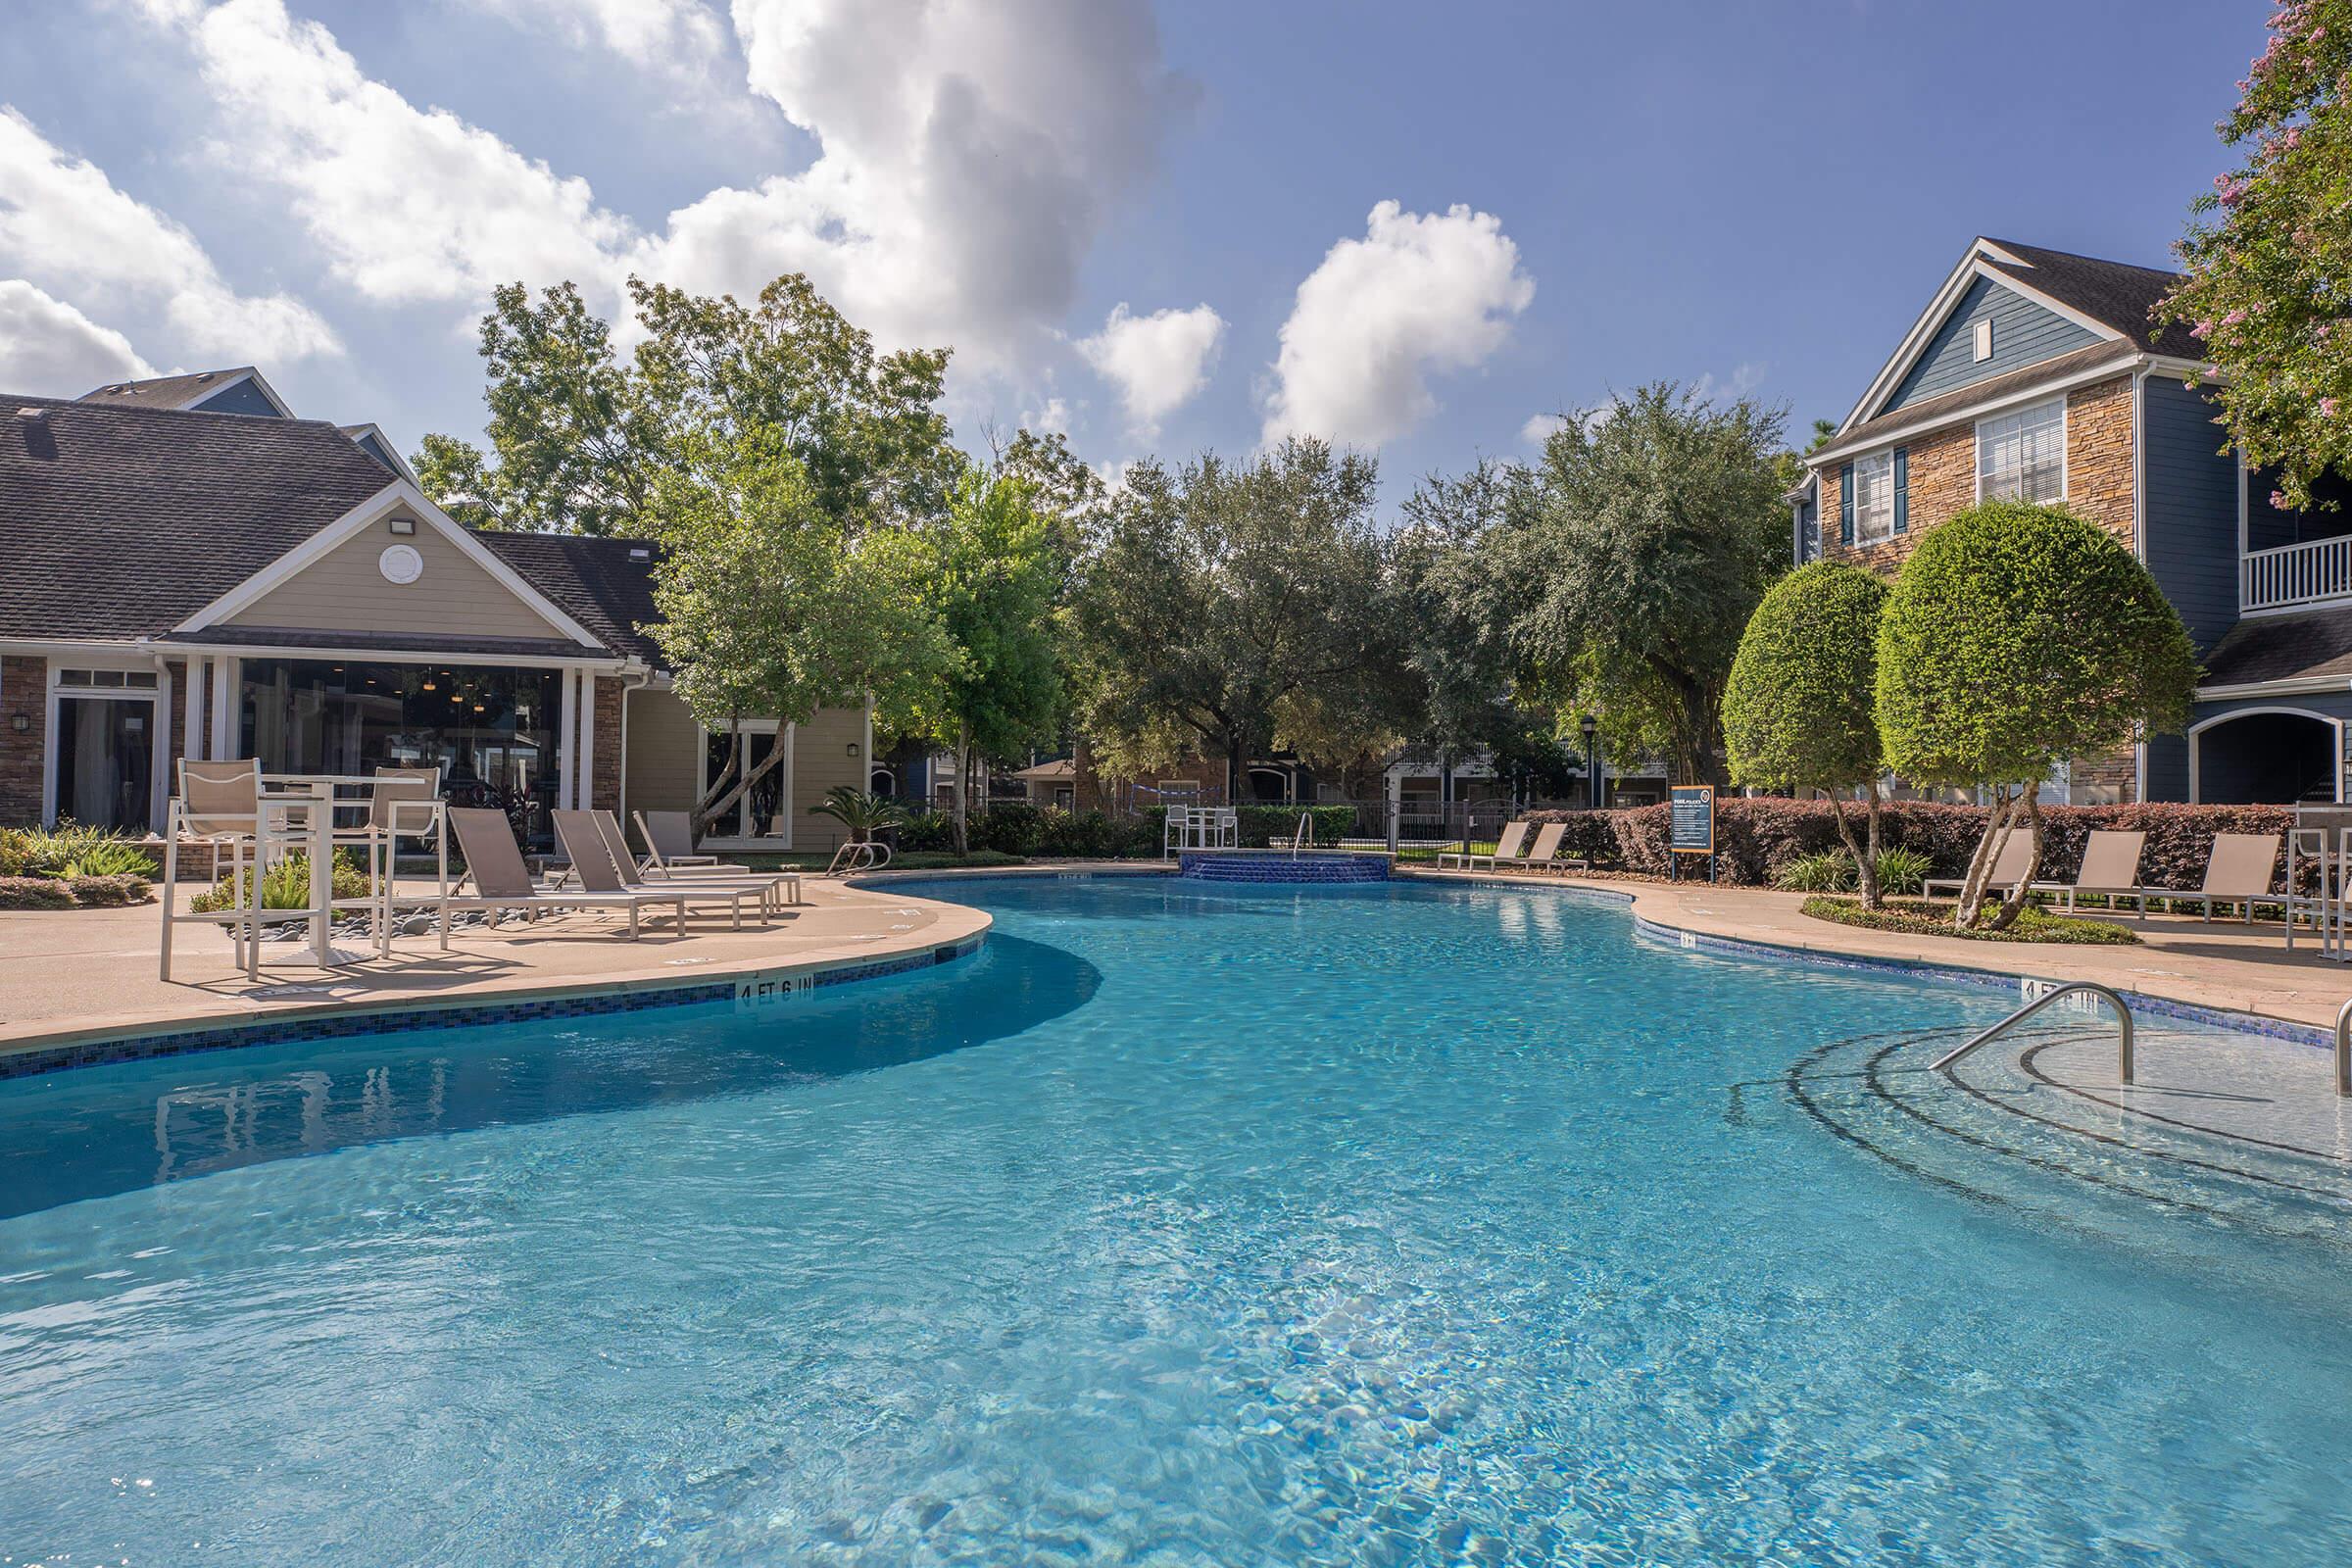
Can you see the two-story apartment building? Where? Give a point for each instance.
(186, 569)
(2043, 375)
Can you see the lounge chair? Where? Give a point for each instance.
(2014, 864)
(219, 806)
(670, 842)
(770, 884)
(502, 882)
(2109, 866)
(2238, 871)
(1539, 854)
(600, 871)
(1506, 847)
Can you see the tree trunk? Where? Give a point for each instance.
(1233, 773)
(963, 787)
(1999, 824)
(2006, 916)
(727, 794)
(1873, 895)
(1865, 874)
(707, 808)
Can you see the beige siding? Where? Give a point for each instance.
(345, 591)
(820, 760)
(662, 746)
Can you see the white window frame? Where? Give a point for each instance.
(2018, 418)
(741, 811)
(1981, 340)
(159, 726)
(1883, 464)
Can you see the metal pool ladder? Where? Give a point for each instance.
(1299, 838)
(2123, 1018)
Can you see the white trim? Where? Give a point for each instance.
(564, 739)
(2290, 686)
(399, 462)
(2140, 484)
(1972, 266)
(787, 737)
(192, 723)
(2196, 732)
(159, 737)
(392, 656)
(2065, 431)
(2105, 370)
(587, 789)
(399, 493)
(228, 707)
(159, 791)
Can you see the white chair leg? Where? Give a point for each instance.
(171, 866)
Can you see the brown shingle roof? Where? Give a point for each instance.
(1956, 403)
(121, 520)
(2117, 293)
(597, 582)
(165, 391)
(2268, 648)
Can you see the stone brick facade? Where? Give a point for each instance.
(603, 789)
(24, 689)
(1943, 471)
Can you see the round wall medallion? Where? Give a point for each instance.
(399, 563)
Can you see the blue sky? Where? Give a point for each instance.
(1161, 229)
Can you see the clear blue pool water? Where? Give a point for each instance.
(1186, 1225)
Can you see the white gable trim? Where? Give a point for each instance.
(1972, 266)
(357, 431)
(268, 393)
(399, 494)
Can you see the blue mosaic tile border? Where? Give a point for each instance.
(1270, 868)
(342, 1025)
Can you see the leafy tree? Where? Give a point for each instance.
(1220, 608)
(998, 572)
(581, 437)
(2018, 637)
(1641, 544)
(1451, 605)
(2269, 254)
(1798, 710)
(576, 440)
(772, 607)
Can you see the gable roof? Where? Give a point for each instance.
(600, 583)
(2115, 294)
(1945, 405)
(185, 390)
(2311, 645)
(123, 520)
(2111, 299)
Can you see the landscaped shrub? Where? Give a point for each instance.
(34, 893)
(1756, 839)
(1260, 826)
(70, 851)
(1901, 872)
(2033, 924)
(286, 885)
(1816, 873)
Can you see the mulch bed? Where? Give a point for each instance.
(1913, 917)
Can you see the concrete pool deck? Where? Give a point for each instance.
(71, 977)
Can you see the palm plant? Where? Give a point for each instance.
(863, 814)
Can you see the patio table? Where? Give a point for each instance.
(316, 793)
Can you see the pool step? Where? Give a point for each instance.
(2003, 1132)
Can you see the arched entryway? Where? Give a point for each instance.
(2265, 757)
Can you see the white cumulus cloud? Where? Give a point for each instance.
(671, 37)
(1419, 295)
(968, 153)
(67, 227)
(1158, 361)
(407, 203)
(49, 347)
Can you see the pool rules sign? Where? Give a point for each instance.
(1691, 827)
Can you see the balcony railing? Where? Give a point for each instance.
(2295, 575)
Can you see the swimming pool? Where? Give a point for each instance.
(1185, 1224)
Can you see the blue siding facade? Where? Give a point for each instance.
(243, 397)
(2191, 509)
(2023, 333)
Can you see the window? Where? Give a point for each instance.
(1874, 498)
(2022, 456)
(1984, 340)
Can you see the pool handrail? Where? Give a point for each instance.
(2123, 1018)
(2343, 1050)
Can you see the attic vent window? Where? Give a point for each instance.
(404, 525)
(1984, 340)
(640, 553)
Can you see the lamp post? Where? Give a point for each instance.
(1589, 726)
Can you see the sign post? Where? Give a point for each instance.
(1692, 829)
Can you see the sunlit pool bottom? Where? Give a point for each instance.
(1188, 1224)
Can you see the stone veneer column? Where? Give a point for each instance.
(604, 787)
(24, 689)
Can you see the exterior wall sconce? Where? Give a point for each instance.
(21, 723)
(853, 747)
